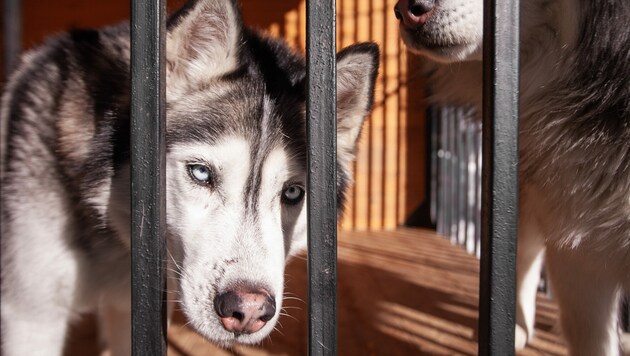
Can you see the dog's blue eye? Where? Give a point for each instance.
(200, 173)
(292, 195)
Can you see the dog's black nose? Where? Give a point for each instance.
(245, 311)
(414, 13)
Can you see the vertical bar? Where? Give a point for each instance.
(455, 179)
(147, 178)
(432, 119)
(12, 41)
(322, 178)
(478, 160)
(471, 173)
(463, 178)
(452, 175)
(12, 34)
(443, 195)
(500, 177)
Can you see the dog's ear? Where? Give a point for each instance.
(203, 41)
(357, 67)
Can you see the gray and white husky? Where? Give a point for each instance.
(574, 147)
(236, 177)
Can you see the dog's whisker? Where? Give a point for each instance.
(290, 316)
(173, 259)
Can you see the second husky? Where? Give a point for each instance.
(574, 168)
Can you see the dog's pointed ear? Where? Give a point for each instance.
(203, 41)
(357, 67)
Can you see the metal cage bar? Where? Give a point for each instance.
(11, 47)
(12, 27)
(148, 184)
(322, 176)
(500, 177)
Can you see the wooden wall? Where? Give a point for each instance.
(389, 170)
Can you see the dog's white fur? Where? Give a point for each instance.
(576, 211)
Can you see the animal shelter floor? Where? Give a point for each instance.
(401, 292)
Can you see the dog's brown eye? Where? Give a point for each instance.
(292, 195)
(200, 173)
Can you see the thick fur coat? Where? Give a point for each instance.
(574, 160)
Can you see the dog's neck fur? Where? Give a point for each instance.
(548, 31)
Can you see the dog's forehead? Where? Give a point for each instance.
(237, 107)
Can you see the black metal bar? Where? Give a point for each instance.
(322, 178)
(12, 21)
(148, 177)
(500, 177)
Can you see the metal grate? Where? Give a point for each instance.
(499, 176)
(12, 28)
(456, 175)
(148, 194)
(322, 176)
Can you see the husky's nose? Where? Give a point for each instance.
(414, 13)
(245, 311)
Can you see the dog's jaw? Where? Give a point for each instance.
(453, 32)
(443, 53)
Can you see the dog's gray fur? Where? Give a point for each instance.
(574, 150)
(235, 103)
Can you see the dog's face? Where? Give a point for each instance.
(236, 165)
(443, 30)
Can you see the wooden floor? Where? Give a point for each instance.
(403, 292)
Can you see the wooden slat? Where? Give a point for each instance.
(362, 171)
(377, 125)
(390, 69)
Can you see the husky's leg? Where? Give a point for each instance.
(41, 332)
(588, 297)
(39, 282)
(529, 262)
(115, 322)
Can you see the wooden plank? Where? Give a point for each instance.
(362, 172)
(377, 125)
(390, 69)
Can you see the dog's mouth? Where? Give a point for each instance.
(437, 47)
(241, 313)
(228, 331)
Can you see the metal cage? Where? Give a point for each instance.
(499, 207)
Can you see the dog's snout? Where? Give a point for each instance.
(414, 13)
(245, 311)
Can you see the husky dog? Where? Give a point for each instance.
(236, 177)
(574, 147)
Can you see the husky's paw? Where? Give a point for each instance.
(520, 338)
